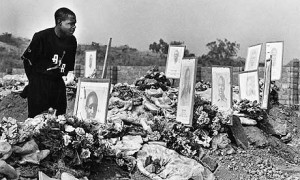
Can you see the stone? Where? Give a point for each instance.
(209, 162)
(28, 148)
(283, 150)
(67, 176)
(5, 150)
(43, 176)
(7, 170)
(35, 157)
(248, 121)
(275, 123)
(239, 133)
(256, 136)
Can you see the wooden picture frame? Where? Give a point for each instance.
(253, 56)
(185, 105)
(275, 49)
(173, 65)
(249, 86)
(92, 99)
(222, 87)
(90, 67)
(267, 85)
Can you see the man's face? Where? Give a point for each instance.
(91, 108)
(68, 25)
(221, 85)
(187, 75)
(176, 55)
(91, 61)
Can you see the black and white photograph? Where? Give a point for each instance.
(92, 99)
(274, 51)
(186, 91)
(222, 87)
(174, 59)
(90, 63)
(253, 55)
(149, 89)
(248, 84)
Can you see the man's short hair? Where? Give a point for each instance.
(62, 14)
(92, 95)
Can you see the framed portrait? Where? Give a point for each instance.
(249, 88)
(92, 99)
(222, 87)
(253, 55)
(274, 51)
(90, 63)
(267, 84)
(186, 93)
(173, 66)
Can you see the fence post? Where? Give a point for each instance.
(114, 75)
(295, 81)
(77, 70)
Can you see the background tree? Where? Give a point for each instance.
(221, 52)
(162, 47)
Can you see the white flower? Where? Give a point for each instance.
(89, 138)
(85, 153)
(69, 128)
(79, 131)
(61, 119)
(67, 139)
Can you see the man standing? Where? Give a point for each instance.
(50, 55)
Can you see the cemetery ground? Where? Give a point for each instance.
(268, 156)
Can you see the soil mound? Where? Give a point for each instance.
(14, 106)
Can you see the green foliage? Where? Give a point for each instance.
(162, 47)
(221, 52)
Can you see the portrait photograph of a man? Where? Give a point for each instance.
(253, 55)
(186, 91)
(90, 63)
(91, 100)
(221, 87)
(249, 88)
(274, 51)
(175, 55)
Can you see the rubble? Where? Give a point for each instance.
(144, 116)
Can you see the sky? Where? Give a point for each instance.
(139, 23)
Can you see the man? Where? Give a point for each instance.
(50, 55)
(273, 56)
(176, 55)
(91, 61)
(91, 105)
(222, 100)
(186, 90)
(250, 83)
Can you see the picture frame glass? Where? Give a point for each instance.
(186, 91)
(173, 66)
(253, 56)
(90, 63)
(249, 88)
(275, 49)
(92, 100)
(221, 87)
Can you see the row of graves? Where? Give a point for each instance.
(162, 131)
